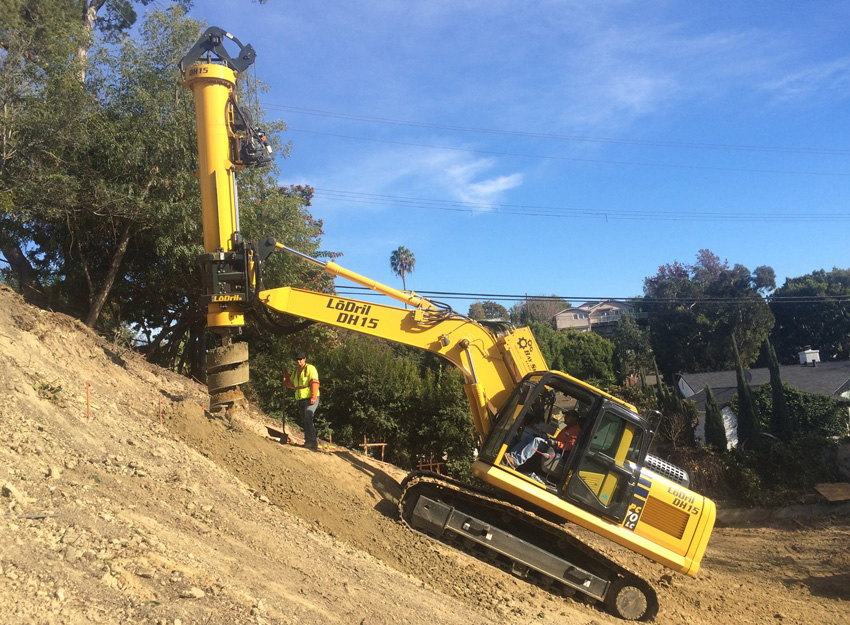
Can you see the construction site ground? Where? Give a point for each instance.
(124, 502)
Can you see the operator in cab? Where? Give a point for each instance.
(545, 439)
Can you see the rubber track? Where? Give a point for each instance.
(557, 532)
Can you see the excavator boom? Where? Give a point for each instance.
(492, 362)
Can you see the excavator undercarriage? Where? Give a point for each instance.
(508, 535)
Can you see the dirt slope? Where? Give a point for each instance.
(121, 517)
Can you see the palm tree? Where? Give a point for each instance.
(402, 262)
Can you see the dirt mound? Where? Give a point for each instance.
(124, 502)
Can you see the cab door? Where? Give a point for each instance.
(603, 475)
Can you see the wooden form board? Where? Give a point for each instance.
(836, 491)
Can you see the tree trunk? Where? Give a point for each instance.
(106, 287)
(27, 277)
(403, 285)
(197, 350)
(90, 10)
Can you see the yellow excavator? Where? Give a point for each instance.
(533, 517)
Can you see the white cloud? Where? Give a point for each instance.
(821, 82)
(413, 172)
(490, 190)
(620, 74)
(469, 179)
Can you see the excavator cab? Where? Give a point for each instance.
(600, 471)
(604, 471)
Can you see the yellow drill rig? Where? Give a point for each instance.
(528, 516)
(227, 141)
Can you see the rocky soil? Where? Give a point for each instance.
(124, 502)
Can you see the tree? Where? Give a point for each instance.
(100, 206)
(118, 18)
(402, 263)
(811, 414)
(781, 423)
(632, 348)
(693, 310)
(747, 414)
(476, 311)
(764, 278)
(585, 355)
(37, 42)
(111, 167)
(482, 311)
(442, 428)
(715, 430)
(416, 405)
(537, 308)
(140, 180)
(679, 416)
(820, 318)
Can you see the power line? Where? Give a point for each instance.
(572, 158)
(522, 297)
(373, 199)
(561, 137)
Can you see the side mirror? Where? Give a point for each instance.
(653, 417)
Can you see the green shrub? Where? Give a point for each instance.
(408, 399)
(819, 414)
(780, 473)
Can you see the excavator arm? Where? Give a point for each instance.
(493, 363)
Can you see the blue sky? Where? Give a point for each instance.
(558, 147)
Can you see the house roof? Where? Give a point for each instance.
(606, 303)
(588, 307)
(827, 378)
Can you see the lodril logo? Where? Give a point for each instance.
(217, 299)
(353, 313)
(683, 500)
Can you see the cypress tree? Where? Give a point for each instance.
(645, 391)
(748, 428)
(781, 421)
(657, 382)
(715, 431)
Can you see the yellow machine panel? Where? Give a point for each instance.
(680, 555)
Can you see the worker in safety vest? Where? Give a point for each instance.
(306, 387)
